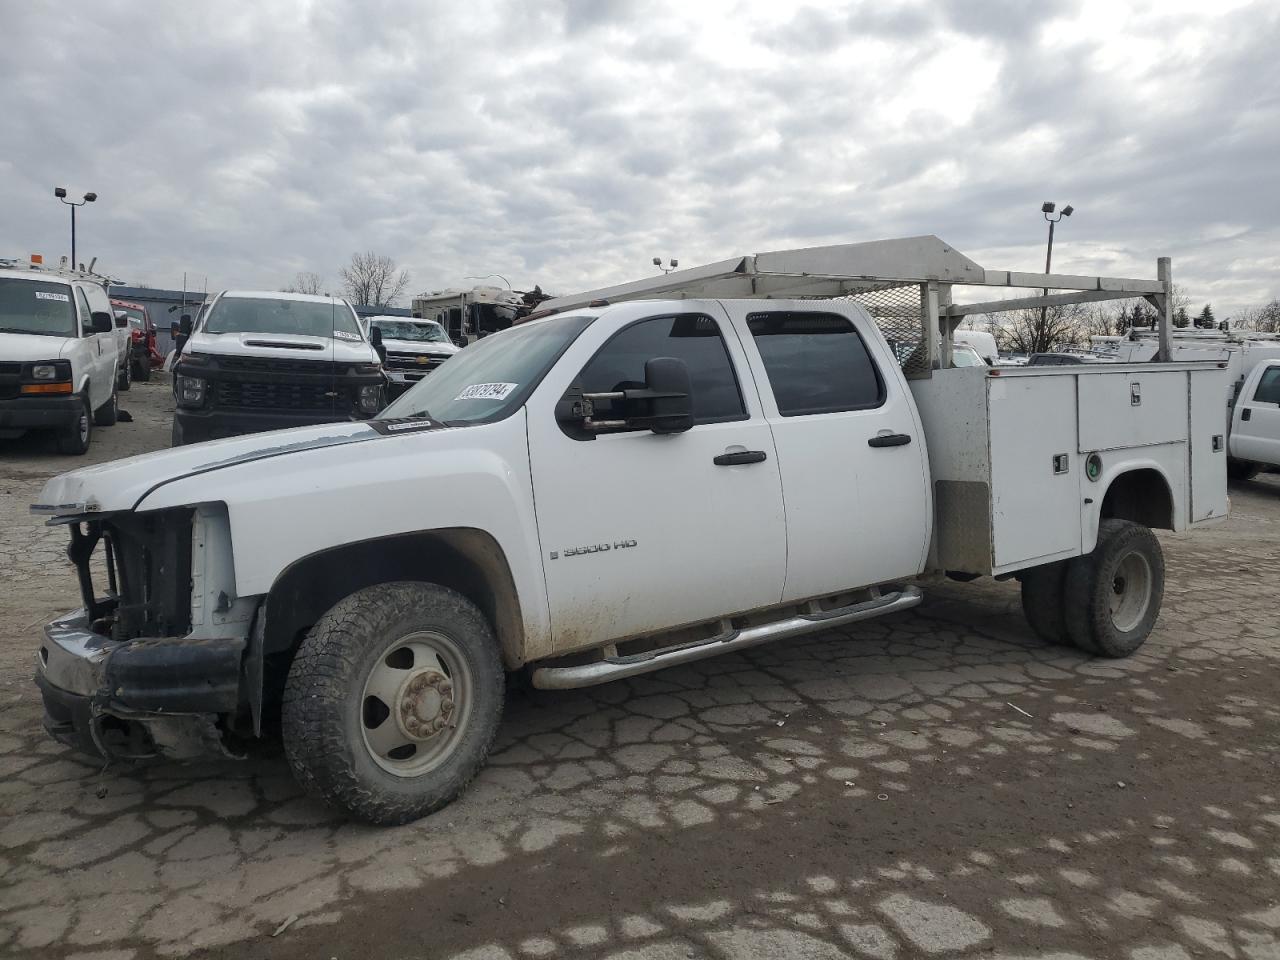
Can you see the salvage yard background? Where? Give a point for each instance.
(934, 784)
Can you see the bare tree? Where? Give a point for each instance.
(1105, 320)
(305, 281)
(371, 280)
(1264, 319)
(1026, 331)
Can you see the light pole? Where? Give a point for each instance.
(61, 194)
(1047, 209)
(657, 262)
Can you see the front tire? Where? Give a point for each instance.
(1242, 469)
(74, 439)
(142, 368)
(393, 701)
(1113, 594)
(124, 377)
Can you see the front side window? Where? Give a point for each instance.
(36, 307)
(1268, 387)
(308, 318)
(817, 362)
(692, 337)
(86, 316)
(491, 378)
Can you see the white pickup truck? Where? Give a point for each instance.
(593, 495)
(1254, 443)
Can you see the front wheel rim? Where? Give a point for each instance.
(84, 427)
(1131, 586)
(416, 704)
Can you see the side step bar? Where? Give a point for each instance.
(616, 668)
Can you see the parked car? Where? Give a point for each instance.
(59, 355)
(256, 361)
(413, 348)
(594, 495)
(144, 352)
(963, 355)
(1254, 442)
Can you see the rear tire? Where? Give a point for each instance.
(74, 439)
(142, 369)
(124, 378)
(1113, 594)
(1242, 469)
(393, 701)
(105, 415)
(1043, 602)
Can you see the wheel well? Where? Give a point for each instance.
(469, 561)
(1142, 496)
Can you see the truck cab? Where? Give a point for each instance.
(413, 347)
(258, 360)
(1255, 423)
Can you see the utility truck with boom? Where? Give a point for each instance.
(643, 476)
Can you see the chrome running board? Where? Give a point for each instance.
(616, 668)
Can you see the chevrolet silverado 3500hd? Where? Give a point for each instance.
(599, 493)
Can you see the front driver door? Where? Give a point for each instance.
(1256, 432)
(100, 349)
(642, 532)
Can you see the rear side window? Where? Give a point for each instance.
(817, 363)
(1268, 387)
(692, 337)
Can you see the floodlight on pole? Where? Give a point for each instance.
(61, 194)
(657, 262)
(1047, 209)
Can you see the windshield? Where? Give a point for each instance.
(427, 331)
(36, 306)
(492, 377)
(308, 318)
(963, 356)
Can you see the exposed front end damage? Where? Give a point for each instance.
(161, 662)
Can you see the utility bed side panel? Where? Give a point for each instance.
(1128, 409)
(1208, 445)
(1035, 472)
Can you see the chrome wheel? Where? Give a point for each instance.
(82, 427)
(1130, 592)
(416, 704)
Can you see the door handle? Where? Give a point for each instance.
(1246, 414)
(889, 440)
(741, 456)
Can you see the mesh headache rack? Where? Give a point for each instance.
(905, 284)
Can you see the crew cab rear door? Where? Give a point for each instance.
(1255, 432)
(642, 532)
(850, 447)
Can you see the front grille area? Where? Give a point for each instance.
(283, 365)
(409, 362)
(275, 396)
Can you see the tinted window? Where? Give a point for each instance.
(1268, 387)
(817, 363)
(691, 337)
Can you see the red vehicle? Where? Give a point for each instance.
(145, 353)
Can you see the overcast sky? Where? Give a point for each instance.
(569, 143)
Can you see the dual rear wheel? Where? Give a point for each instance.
(1105, 602)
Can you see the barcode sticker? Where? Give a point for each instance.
(487, 391)
(60, 297)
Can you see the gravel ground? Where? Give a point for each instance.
(937, 784)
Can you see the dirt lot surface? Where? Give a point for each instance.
(938, 784)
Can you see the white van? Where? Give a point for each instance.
(59, 354)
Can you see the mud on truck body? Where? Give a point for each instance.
(648, 475)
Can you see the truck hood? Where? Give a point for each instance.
(432, 348)
(122, 484)
(27, 347)
(282, 346)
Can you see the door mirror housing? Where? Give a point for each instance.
(102, 321)
(664, 404)
(375, 336)
(184, 325)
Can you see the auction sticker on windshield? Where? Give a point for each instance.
(487, 391)
(60, 297)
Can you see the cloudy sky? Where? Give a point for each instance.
(568, 143)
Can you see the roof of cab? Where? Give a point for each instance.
(279, 295)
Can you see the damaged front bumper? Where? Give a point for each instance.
(137, 698)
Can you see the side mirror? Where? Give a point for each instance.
(375, 336)
(184, 325)
(102, 321)
(664, 404)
